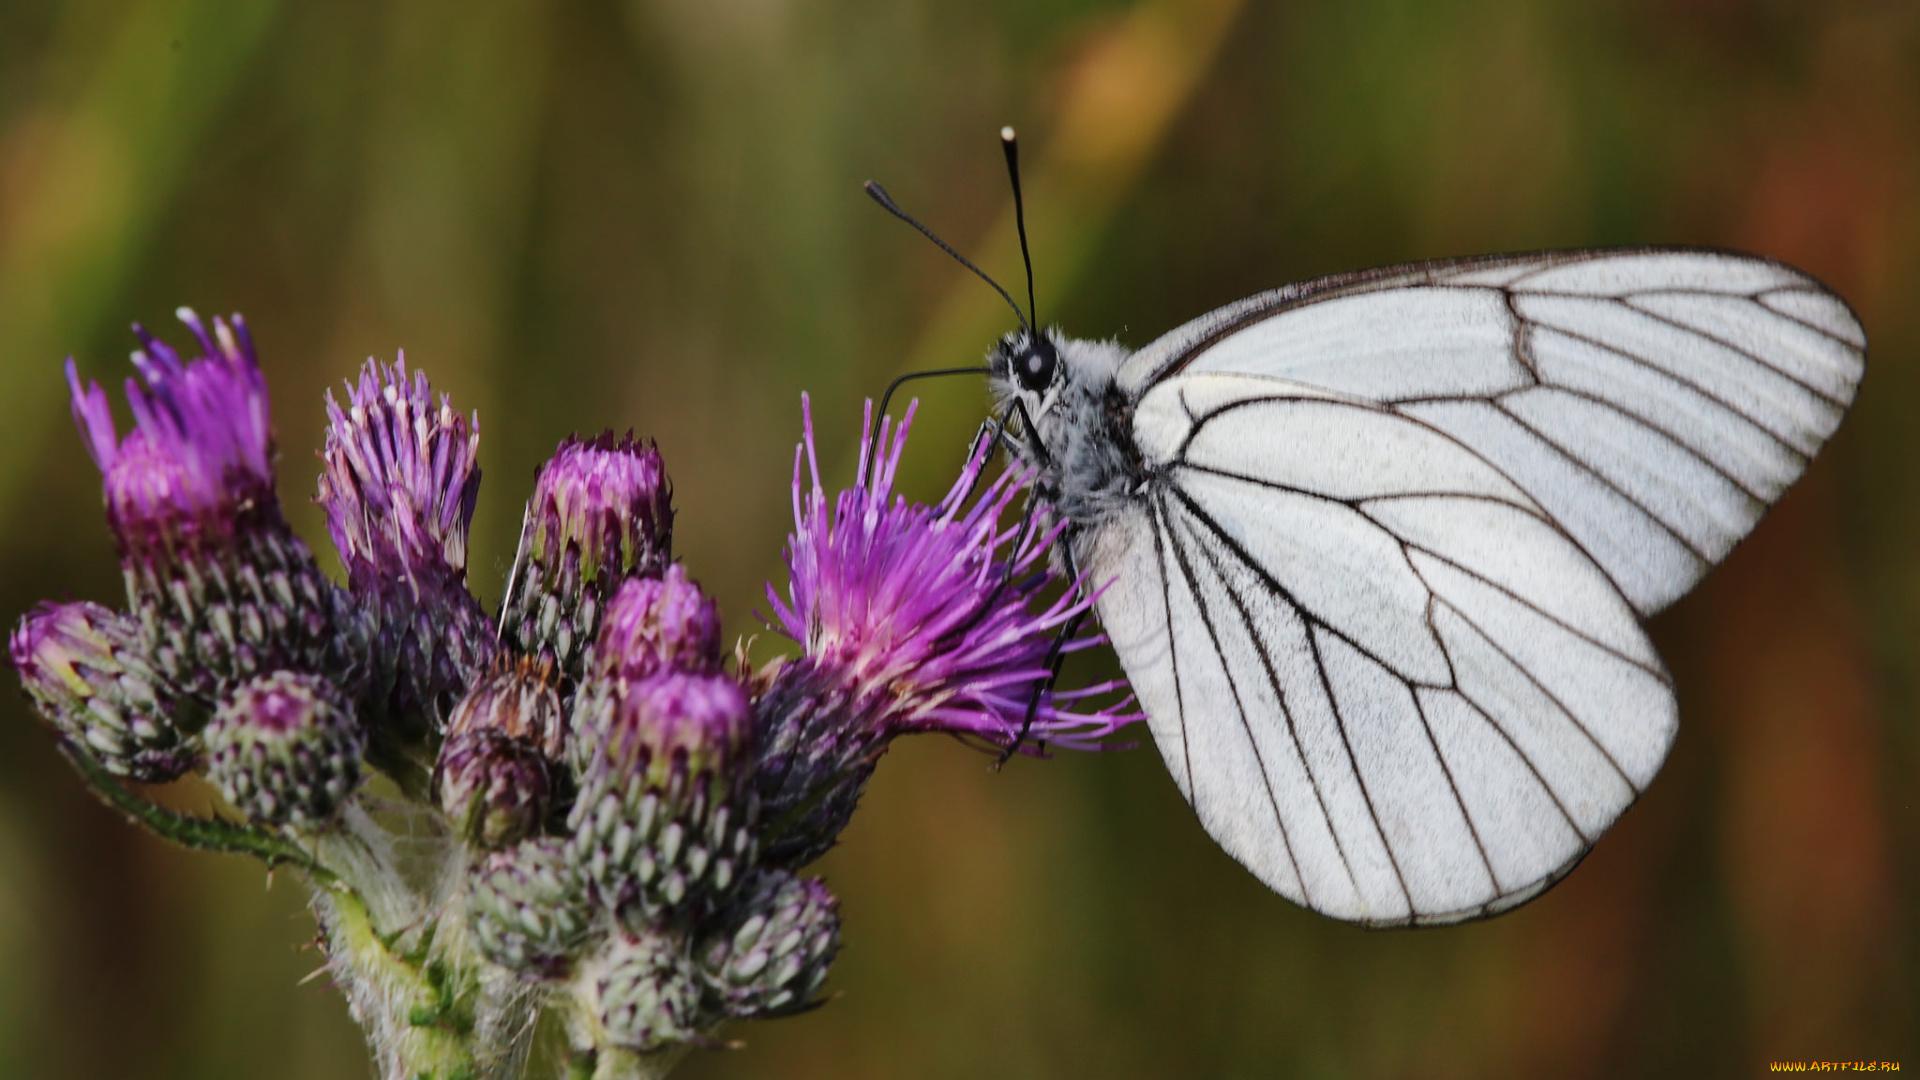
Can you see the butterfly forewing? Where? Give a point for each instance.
(1380, 591)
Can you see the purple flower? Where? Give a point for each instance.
(601, 512)
(494, 788)
(941, 607)
(201, 451)
(399, 488)
(402, 474)
(220, 587)
(910, 618)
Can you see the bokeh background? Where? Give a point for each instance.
(647, 215)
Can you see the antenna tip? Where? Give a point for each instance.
(1006, 134)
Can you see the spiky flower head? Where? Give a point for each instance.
(285, 750)
(601, 512)
(527, 909)
(658, 623)
(399, 489)
(941, 605)
(910, 618)
(642, 993)
(222, 588)
(771, 957)
(83, 667)
(663, 821)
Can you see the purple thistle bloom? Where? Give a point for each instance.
(201, 451)
(402, 474)
(399, 489)
(910, 618)
(934, 604)
(601, 512)
(220, 587)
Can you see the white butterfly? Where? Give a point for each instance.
(1380, 545)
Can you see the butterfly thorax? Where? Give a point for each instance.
(1081, 422)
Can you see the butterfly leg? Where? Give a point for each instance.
(992, 428)
(1056, 656)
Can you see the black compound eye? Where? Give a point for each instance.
(1035, 367)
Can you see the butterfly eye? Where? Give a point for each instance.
(1035, 366)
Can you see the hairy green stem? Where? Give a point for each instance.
(417, 1009)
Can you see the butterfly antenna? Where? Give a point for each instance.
(1011, 146)
(879, 195)
(873, 444)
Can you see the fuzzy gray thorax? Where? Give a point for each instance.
(1084, 423)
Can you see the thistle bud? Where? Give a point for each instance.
(285, 750)
(83, 667)
(771, 958)
(601, 512)
(496, 771)
(662, 824)
(658, 623)
(820, 735)
(527, 908)
(399, 489)
(643, 993)
(516, 698)
(495, 789)
(220, 586)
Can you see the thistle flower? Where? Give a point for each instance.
(399, 489)
(221, 587)
(771, 958)
(83, 666)
(910, 618)
(663, 824)
(285, 750)
(527, 909)
(601, 512)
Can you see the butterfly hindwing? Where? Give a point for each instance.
(1386, 681)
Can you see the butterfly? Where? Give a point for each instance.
(1375, 550)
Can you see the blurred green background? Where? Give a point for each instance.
(647, 215)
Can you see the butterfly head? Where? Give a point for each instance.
(1030, 360)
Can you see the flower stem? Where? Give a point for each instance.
(418, 1011)
(191, 830)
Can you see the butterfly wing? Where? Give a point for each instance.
(1654, 401)
(1380, 598)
